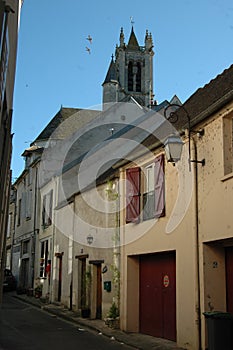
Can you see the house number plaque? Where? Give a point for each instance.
(166, 281)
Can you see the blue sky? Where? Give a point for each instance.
(192, 44)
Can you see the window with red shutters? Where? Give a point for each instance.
(133, 195)
(153, 199)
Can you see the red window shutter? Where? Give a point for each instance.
(159, 186)
(133, 194)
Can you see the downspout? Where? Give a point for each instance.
(34, 231)
(117, 247)
(51, 289)
(14, 223)
(197, 244)
(72, 258)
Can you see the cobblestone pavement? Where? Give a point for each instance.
(136, 340)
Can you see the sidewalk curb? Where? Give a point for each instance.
(136, 341)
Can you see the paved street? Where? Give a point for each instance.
(24, 327)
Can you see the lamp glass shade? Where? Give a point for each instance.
(173, 148)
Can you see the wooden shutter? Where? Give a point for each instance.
(50, 207)
(23, 205)
(159, 186)
(28, 204)
(133, 194)
(43, 211)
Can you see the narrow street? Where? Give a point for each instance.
(24, 327)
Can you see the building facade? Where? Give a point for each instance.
(180, 258)
(9, 21)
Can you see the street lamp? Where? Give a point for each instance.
(90, 239)
(173, 148)
(173, 144)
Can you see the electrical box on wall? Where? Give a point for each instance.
(108, 286)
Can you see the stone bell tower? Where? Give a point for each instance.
(131, 72)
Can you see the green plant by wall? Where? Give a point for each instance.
(111, 192)
(113, 311)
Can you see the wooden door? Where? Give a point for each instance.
(83, 284)
(59, 256)
(99, 293)
(25, 273)
(229, 278)
(158, 295)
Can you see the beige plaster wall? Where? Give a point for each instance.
(87, 215)
(176, 231)
(215, 196)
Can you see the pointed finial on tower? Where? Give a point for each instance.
(148, 41)
(122, 38)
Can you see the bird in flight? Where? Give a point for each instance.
(89, 38)
(88, 49)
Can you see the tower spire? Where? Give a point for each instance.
(122, 38)
(130, 73)
(133, 43)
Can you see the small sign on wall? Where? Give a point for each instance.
(107, 286)
(166, 281)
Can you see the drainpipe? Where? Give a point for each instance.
(197, 244)
(51, 287)
(34, 231)
(72, 258)
(117, 243)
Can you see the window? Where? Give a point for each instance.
(44, 254)
(228, 144)
(9, 225)
(19, 211)
(138, 78)
(29, 177)
(26, 245)
(47, 209)
(149, 194)
(130, 76)
(151, 182)
(4, 61)
(28, 204)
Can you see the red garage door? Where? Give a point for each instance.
(158, 295)
(229, 278)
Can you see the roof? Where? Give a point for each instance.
(111, 74)
(150, 129)
(133, 43)
(32, 149)
(59, 127)
(211, 96)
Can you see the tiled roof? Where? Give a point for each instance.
(213, 94)
(206, 100)
(60, 128)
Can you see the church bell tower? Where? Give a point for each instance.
(130, 74)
